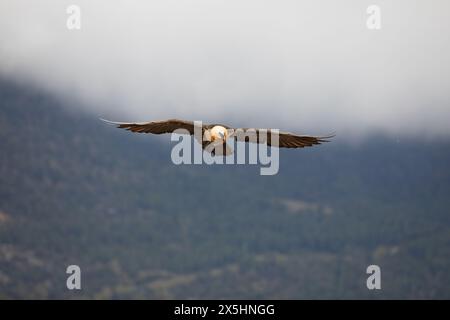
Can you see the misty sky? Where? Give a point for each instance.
(303, 66)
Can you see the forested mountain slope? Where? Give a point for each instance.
(76, 191)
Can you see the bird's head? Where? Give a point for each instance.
(219, 132)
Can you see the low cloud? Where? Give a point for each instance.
(304, 66)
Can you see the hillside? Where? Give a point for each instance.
(76, 191)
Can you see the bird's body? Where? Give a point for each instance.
(214, 136)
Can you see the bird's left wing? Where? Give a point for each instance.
(156, 127)
(285, 139)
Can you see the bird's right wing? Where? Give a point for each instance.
(156, 127)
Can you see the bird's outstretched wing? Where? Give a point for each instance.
(285, 139)
(156, 127)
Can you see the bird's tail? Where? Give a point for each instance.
(224, 150)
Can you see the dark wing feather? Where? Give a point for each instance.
(289, 140)
(156, 127)
(285, 139)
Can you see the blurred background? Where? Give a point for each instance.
(76, 191)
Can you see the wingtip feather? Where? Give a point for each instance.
(110, 122)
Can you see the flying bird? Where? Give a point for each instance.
(214, 136)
